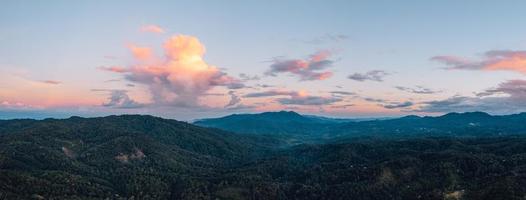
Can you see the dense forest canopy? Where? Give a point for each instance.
(145, 157)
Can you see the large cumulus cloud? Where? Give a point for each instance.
(181, 77)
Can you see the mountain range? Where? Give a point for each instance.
(454, 156)
(291, 123)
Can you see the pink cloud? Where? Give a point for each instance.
(117, 69)
(307, 69)
(503, 60)
(152, 29)
(182, 77)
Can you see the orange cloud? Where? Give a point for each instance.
(152, 29)
(514, 62)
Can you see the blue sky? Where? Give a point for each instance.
(52, 53)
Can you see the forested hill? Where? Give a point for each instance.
(125, 155)
(286, 123)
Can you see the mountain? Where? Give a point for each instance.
(451, 124)
(271, 123)
(116, 155)
(315, 128)
(284, 123)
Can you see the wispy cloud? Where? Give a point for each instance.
(398, 105)
(52, 82)
(376, 100)
(374, 75)
(110, 80)
(152, 29)
(270, 93)
(117, 69)
(246, 77)
(240, 106)
(417, 90)
(295, 97)
(342, 93)
(344, 106)
(308, 100)
(389, 104)
(264, 85)
(307, 69)
(328, 38)
(501, 60)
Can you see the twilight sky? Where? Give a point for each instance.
(195, 59)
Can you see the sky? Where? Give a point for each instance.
(196, 59)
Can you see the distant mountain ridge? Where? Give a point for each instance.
(451, 124)
(291, 123)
